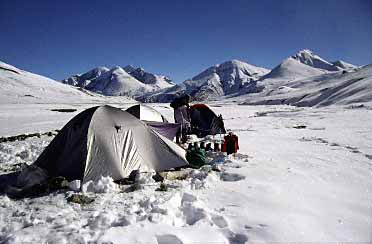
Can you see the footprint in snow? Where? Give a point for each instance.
(235, 238)
(219, 221)
(168, 239)
(234, 165)
(231, 177)
(369, 156)
(353, 149)
(191, 213)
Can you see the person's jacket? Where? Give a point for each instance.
(181, 116)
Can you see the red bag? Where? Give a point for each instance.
(231, 144)
(224, 146)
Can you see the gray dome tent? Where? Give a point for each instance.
(106, 141)
(146, 113)
(154, 120)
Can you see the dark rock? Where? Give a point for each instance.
(162, 187)
(158, 178)
(80, 199)
(57, 183)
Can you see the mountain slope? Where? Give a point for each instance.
(214, 82)
(19, 86)
(235, 78)
(344, 65)
(323, 90)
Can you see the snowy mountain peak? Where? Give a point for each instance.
(84, 79)
(234, 62)
(306, 52)
(233, 66)
(116, 82)
(117, 68)
(304, 64)
(290, 69)
(158, 81)
(129, 68)
(99, 69)
(308, 57)
(232, 76)
(94, 73)
(119, 81)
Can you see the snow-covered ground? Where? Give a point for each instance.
(22, 87)
(301, 175)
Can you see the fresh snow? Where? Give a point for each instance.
(285, 185)
(302, 174)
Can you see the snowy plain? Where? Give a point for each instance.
(301, 175)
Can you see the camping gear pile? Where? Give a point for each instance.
(105, 141)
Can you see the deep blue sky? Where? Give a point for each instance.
(178, 38)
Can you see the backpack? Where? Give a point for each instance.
(230, 144)
(196, 157)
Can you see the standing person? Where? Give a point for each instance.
(182, 116)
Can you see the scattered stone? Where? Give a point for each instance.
(17, 167)
(175, 175)
(125, 181)
(369, 156)
(231, 177)
(133, 187)
(217, 168)
(206, 168)
(162, 187)
(23, 137)
(158, 178)
(57, 183)
(80, 199)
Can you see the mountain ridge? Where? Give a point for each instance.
(232, 80)
(119, 81)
